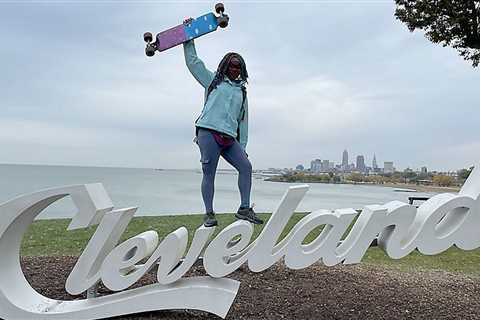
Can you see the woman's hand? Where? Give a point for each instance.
(188, 20)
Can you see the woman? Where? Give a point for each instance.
(222, 127)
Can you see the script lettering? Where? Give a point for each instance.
(442, 221)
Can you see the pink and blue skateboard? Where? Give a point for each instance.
(194, 28)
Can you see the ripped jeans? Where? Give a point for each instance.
(234, 154)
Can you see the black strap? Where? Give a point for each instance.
(244, 96)
(242, 111)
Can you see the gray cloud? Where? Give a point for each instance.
(77, 87)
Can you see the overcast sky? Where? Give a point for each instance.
(77, 88)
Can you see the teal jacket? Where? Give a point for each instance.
(222, 110)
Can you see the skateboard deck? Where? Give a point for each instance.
(184, 32)
(190, 29)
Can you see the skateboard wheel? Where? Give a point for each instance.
(147, 37)
(222, 21)
(219, 8)
(149, 51)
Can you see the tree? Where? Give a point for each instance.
(454, 23)
(325, 178)
(443, 181)
(464, 173)
(355, 177)
(409, 175)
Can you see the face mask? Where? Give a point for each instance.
(234, 69)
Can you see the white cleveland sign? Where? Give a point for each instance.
(444, 220)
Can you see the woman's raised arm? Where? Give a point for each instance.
(196, 66)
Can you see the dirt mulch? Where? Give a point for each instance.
(317, 292)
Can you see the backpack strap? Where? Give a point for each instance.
(242, 111)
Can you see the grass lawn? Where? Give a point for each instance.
(51, 238)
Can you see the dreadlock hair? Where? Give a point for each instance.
(222, 71)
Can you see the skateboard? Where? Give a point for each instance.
(192, 29)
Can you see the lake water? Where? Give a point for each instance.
(166, 192)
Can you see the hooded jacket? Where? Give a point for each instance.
(222, 110)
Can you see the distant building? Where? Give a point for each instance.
(331, 165)
(388, 167)
(453, 174)
(316, 165)
(345, 160)
(325, 166)
(300, 167)
(374, 163)
(360, 164)
(424, 170)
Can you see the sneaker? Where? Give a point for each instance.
(249, 215)
(209, 219)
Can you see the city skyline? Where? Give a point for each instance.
(361, 165)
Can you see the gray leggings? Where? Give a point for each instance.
(234, 154)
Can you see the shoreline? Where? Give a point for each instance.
(421, 188)
(416, 187)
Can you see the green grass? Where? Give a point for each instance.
(51, 238)
(452, 260)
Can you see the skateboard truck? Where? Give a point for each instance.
(222, 19)
(151, 47)
(186, 31)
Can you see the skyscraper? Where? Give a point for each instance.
(388, 167)
(345, 159)
(325, 165)
(315, 165)
(374, 163)
(361, 164)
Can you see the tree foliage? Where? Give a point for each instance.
(298, 176)
(355, 177)
(454, 23)
(443, 181)
(464, 173)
